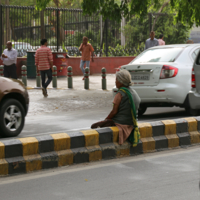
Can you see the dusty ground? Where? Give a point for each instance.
(63, 99)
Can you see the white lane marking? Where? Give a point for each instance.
(94, 165)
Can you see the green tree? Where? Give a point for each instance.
(187, 11)
(42, 4)
(136, 30)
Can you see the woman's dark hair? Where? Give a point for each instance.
(161, 36)
(43, 41)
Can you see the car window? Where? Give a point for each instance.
(158, 55)
(195, 53)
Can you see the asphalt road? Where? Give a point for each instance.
(83, 119)
(74, 121)
(165, 175)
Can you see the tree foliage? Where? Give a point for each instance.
(42, 4)
(136, 32)
(187, 11)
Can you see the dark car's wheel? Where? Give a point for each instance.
(12, 117)
(192, 112)
(142, 109)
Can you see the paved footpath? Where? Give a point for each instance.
(166, 175)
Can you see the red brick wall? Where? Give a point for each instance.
(110, 63)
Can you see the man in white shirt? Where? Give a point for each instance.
(9, 57)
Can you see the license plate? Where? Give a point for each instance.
(139, 77)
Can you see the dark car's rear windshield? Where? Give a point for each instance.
(158, 55)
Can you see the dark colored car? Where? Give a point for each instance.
(14, 102)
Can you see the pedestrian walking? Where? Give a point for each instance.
(9, 58)
(151, 42)
(160, 40)
(87, 50)
(124, 112)
(44, 64)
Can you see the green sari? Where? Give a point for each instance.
(135, 134)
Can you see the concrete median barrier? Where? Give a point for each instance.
(48, 151)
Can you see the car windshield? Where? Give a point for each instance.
(158, 55)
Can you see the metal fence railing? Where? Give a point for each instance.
(64, 29)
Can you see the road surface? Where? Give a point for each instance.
(165, 175)
(74, 121)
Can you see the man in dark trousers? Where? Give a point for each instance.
(44, 64)
(9, 57)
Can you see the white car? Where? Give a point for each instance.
(163, 76)
(194, 94)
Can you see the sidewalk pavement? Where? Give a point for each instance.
(78, 83)
(64, 99)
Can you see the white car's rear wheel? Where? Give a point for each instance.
(142, 109)
(192, 112)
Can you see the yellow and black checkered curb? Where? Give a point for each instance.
(55, 150)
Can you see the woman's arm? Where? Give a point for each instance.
(113, 112)
(116, 103)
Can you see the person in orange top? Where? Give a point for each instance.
(87, 50)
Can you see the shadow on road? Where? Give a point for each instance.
(157, 114)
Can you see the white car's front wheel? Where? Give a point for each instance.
(12, 117)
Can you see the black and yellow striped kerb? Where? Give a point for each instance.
(61, 149)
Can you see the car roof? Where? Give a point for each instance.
(176, 45)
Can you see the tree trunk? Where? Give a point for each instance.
(160, 10)
(42, 24)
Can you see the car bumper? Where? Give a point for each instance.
(194, 100)
(162, 93)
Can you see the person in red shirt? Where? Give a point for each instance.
(44, 64)
(87, 50)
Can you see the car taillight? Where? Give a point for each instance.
(118, 69)
(193, 79)
(168, 72)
